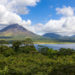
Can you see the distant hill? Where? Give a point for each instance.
(60, 38)
(52, 35)
(73, 36)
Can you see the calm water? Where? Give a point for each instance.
(58, 46)
(55, 46)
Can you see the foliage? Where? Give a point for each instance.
(25, 60)
(43, 49)
(64, 51)
(6, 51)
(16, 45)
(3, 42)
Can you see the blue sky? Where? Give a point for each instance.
(40, 16)
(46, 10)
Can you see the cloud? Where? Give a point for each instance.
(64, 26)
(66, 11)
(11, 9)
(18, 6)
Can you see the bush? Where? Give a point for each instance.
(6, 51)
(64, 51)
(43, 50)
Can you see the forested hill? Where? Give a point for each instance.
(60, 38)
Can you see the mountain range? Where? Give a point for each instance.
(17, 32)
(59, 38)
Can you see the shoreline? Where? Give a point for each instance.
(54, 42)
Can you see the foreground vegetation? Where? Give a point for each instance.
(23, 59)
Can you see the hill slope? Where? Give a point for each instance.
(60, 38)
(16, 31)
(52, 35)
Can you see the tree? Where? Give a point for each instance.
(16, 45)
(28, 42)
(28, 46)
(6, 51)
(43, 50)
(3, 42)
(64, 51)
(51, 53)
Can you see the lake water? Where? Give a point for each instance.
(58, 46)
(54, 46)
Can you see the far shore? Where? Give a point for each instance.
(54, 42)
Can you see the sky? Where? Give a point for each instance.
(40, 16)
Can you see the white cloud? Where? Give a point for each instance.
(64, 26)
(66, 11)
(7, 17)
(18, 6)
(10, 10)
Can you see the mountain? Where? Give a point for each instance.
(73, 36)
(60, 38)
(52, 35)
(16, 31)
(13, 27)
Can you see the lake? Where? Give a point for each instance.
(57, 46)
(54, 46)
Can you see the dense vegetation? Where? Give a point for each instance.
(23, 59)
